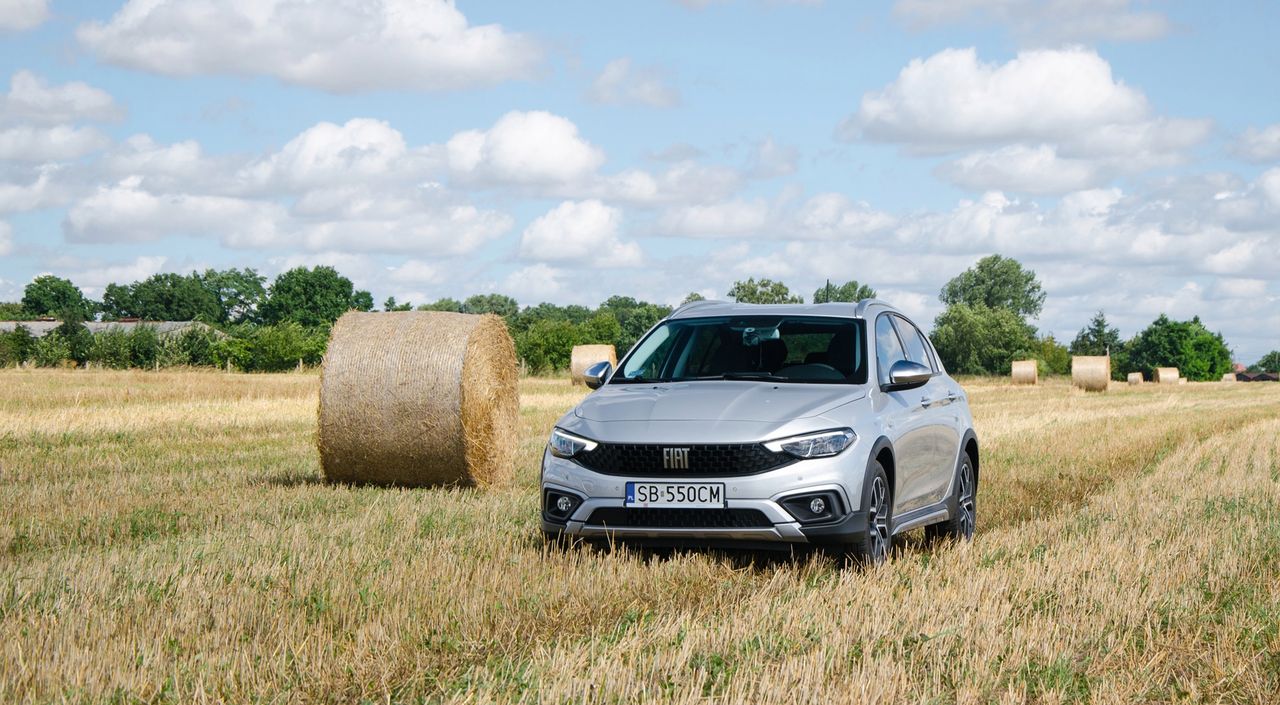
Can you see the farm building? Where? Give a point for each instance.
(38, 329)
(1257, 377)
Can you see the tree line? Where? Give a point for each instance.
(253, 325)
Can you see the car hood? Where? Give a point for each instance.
(717, 401)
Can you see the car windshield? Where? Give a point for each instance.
(792, 349)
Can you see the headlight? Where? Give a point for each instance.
(814, 445)
(567, 445)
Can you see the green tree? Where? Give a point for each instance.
(239, 293)
(996, 282)
(849, 291)
(48, 295)
(1097, 338)
(765, 291)
(144, 346)
(499, 304)
(50, 350)
(78, 339)
(174, 297)
(602, 328)
(693, 296)
(362, 300)
(979, 340)
(635, 318)
(1269, 362)
(13, 311)
(391, 305)
(312, 297)
(1187, 345)
(17, 346)
(111, 349)
(118, 302)
(1054, 356)
(547, 345)
(449, 305)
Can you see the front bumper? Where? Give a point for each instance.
(762, 493)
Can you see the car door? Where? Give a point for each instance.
(905, 422)
(940, 422)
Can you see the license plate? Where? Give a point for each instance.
(695, 495)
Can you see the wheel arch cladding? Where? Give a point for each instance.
(882, 451)
(971, 449)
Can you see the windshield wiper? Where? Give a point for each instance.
(753, 376)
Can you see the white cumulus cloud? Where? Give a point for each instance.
(524, 148)
(32, 100)
(1046, 21)
(40, 144)
(20, 15)
(621, 83)
(953, 99)
(6, 238)
(341, 46)
(586, 232)
(1259, 145)
(1047, 121)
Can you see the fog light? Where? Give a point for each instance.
(818, 505)
(564, 504)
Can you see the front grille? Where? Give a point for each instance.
(703, 460)
(622, 517)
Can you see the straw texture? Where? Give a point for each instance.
(1025, 372)
(1135, 378)
(1091, 372)
(585, 356)
(418, 398)
(1166, 375)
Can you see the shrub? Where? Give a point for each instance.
(51, 350)
(144, 346)
(111, 349)
(198, 346)
(281, 347)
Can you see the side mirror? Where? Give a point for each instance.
(597, 374)
(906, 374)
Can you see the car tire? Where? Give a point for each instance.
(873, 547)
(964, 506)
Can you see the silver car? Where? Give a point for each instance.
(767, 426)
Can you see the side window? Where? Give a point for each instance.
(917, 350)
(888, 349)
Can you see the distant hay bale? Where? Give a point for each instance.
(1025, 372)
(1182, 380)
(1229, 377)
(585, 356)
(1091, 372)
(1166, 375)
(418, 398)
(1135, 378)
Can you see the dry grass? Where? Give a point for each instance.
(167, 539)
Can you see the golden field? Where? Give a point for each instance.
(166, 538)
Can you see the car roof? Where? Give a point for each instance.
(839, 309)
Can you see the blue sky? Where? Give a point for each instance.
(1127, 151)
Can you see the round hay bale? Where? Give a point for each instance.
(1025, 372)
(1091, 373)
(1166, 375)
(1135, 378)
(1229, 377)
(1182, 380)
(585, 356)
(419, 398)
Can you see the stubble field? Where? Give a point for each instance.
(166, 538)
